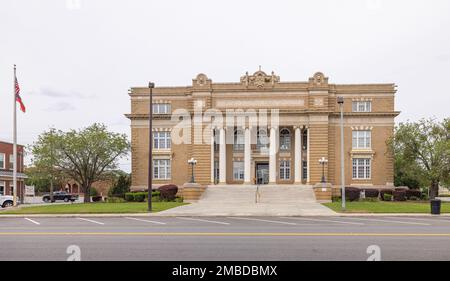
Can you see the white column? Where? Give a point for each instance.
(212, 155)
(222, 157)
(273, 155)
(298, 155)
(247, 156)
(308, 145)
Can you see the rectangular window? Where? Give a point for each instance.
(361, 168)
(2, 161)
(305, 169)
(305, 140)
(2, 188)
(162, 108)
(161, 169)
(11, 162)
(285, 169)
(361, 139)
(161, 140)
(238, 170)
(362, 106)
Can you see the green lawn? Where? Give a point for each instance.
(94, 208)
(386, 207)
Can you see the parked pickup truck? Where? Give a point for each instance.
(6, 201)
(60, 196)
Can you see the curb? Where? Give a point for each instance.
(217, 215)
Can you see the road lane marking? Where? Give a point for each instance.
(210, 221)
(149, 221)
(97, 222)
(30, 220)
(322, 220)
(388, 221)
(424, 219)
(280, 234)
(262, 220)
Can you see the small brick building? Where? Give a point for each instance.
(6, 169)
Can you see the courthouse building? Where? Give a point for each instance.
(303, 126)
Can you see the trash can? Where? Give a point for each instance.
(435, 206)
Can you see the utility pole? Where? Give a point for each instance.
(340, 101)
(52, 165)
(151, 85)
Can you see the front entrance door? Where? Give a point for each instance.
(262, 173)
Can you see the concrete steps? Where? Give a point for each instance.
(273, 194)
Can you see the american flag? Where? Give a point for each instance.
(18, 98)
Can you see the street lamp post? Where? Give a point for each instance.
(340, 101)
(151, 85)
(192, 162)
(323, 161)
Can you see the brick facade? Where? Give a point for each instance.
(310, 107)
(6, 169)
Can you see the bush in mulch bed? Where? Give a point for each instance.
(386, 191)
(399, 195)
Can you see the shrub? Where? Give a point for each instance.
(413, 198)
(179, 199)
(96, 198)
(115, 200)
(129, 196)
(387, 197)
(372, 193)
(385, 192)
(93, 192)
(399, 195)
(352, 193)
(139, 197)
(413, 193)
(168, 192)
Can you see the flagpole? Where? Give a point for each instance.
(15, 142)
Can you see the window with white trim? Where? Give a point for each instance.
(161, 140)
(2, 161)
(361, 168)
(239, 140)
(2, 188)
(361, 139)
(162, 108)
(161, 169)
(285, 139)
(285, 169)
(362, 106)
(238, 170)
(262, 138)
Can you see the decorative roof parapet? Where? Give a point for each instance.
(260, 79)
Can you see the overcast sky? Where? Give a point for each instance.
(77, 59)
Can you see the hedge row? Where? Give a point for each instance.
(396, 194)
(164, 193)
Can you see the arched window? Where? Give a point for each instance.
(285, 139)
(262, 138)
(238, 140)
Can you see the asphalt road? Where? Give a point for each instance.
(225, 238)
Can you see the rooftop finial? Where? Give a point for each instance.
(259, 67)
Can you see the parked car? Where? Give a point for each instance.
(60, 196)
(6, 201)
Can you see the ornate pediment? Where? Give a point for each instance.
(318, 80)
(260, 79)
(201, 81)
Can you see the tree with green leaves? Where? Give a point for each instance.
(422, 153)
(121, 185)
(85, 155)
